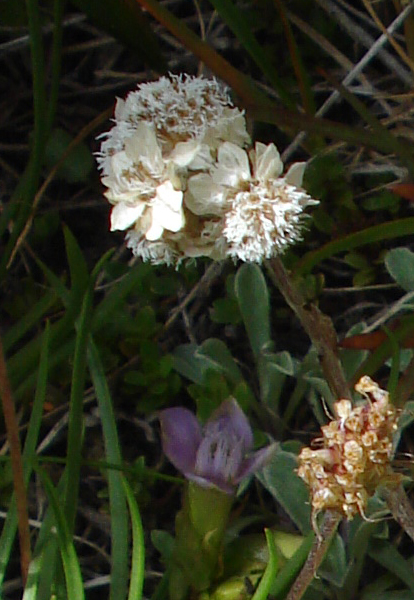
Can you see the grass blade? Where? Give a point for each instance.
(376, 233)
(75, 425)
(138, 548)
(118, 508)
(73, 577)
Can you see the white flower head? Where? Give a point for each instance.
(183, 107)
(262, 211)
(164, 132)
(140, 185)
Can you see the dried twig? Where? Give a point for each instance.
(317, 325)
(316, 556)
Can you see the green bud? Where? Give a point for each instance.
(233, 589)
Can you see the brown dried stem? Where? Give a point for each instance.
(17, 466)
(317, 325)
(401, 508)
(316, 555)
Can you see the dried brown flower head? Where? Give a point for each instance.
(356, 454)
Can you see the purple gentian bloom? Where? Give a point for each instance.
(216, 455)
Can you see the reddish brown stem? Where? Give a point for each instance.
(318, 327)
(401, 508)
(17, 466)
(316, 556)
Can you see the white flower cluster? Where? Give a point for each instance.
(182, 184)
(356, 454)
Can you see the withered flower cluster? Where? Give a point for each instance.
(357, 448)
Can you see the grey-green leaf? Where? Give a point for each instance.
(253, 297)
(400, 265)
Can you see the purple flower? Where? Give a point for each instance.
(216, 455)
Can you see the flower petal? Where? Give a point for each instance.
(142, 148)
(294, 175)
(203, 196)
(268, 164)
(166, 211)
(154, 232)
(230, 417)
(180, 436)
(233, 165)
(256, 461)
(123, 215)
(184, 152)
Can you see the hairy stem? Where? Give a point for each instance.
(317, 325)
(401, 508)
(316, 555)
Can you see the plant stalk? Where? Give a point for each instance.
(12, 429)
(317, 325)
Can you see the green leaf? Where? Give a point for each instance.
(29, 453)
(75, 424)
(73, 577)
(32, 317)
(190, 364)
(377, 233)
(387, 555)
(116, 484)
(136, 583)
(400, 265)
(280, 479)
(219, 357)
(77, 264)
(290, 570)
(253, 297)
(225, 310)
(241, 27)
(281, 362)
(385, 200)
(115, 297)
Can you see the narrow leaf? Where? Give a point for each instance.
(118, 509)
(253, 297)
(73, 577)
(138, 548)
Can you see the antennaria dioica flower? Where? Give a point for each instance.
(182, 184)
